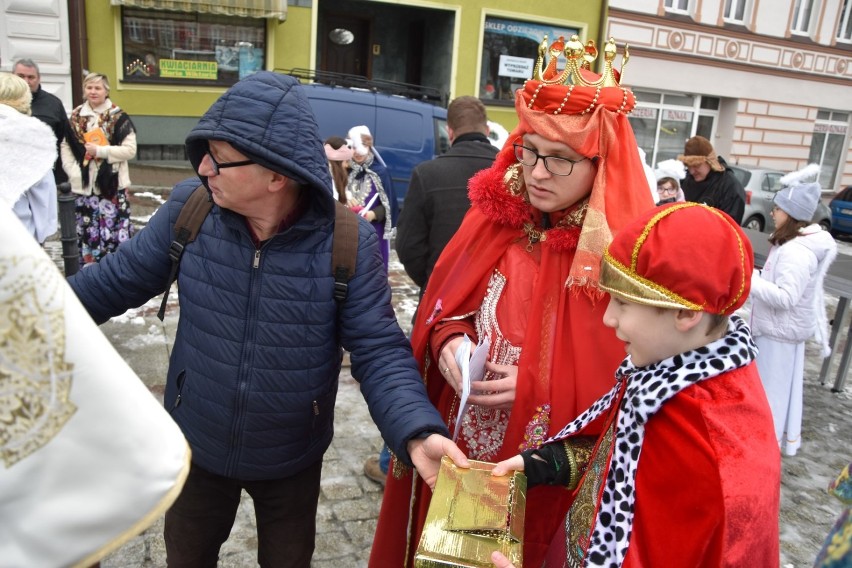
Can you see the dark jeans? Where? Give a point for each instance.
(201, 518)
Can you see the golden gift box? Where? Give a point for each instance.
(472, 514)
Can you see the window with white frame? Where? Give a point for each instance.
(663, 122)
(828, 145)
(802, 16)
(736, 11)
(677, 6)
(844, 25)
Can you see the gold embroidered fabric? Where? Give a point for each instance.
(579, 521)
(35, 378)
(483, 429)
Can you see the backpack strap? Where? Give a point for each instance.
(344, 250)
(186, 228)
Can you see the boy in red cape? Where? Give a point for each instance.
(523, 270)
(687, 470)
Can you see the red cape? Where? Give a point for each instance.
(569, 360)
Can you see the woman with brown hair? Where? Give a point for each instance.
(338, 152)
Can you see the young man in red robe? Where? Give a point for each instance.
(687, 471)
(523, 270)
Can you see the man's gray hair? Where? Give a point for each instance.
(27, 63)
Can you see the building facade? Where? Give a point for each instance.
(168, 60)
(38, 30)
(769, 83)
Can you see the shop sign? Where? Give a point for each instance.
(185, 69)
(520, 67)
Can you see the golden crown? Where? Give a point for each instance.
(578, 63)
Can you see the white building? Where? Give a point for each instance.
(769, 83)
(38, 30)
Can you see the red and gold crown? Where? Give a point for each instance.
(578, 63)
(680, 256)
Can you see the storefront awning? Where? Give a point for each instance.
(243, 8)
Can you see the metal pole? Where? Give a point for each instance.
(68, 228)
(842, 304)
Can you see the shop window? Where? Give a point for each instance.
(662, 123)
(509, 52)
(828, 145)
(802, 16)
(190, 48)
(844, 26)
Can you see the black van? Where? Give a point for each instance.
(408, 123)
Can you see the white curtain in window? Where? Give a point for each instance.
(244, 8)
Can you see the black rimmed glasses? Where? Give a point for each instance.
(557, 165)
(217, 166)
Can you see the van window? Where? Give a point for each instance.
(442, 137)
(399, 129)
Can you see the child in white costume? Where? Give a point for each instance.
(788, 307)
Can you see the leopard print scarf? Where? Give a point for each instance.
(647, 389)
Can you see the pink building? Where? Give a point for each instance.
(768, 82)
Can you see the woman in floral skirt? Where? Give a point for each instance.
(95, 154)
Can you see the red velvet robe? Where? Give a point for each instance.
(708, 481)
(567, 361)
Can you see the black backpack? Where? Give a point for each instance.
(344, 247)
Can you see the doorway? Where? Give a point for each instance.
(345, 40)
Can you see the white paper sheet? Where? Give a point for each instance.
(472, 367)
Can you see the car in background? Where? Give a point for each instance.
(761, 185)
(841, 212)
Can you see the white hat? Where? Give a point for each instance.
(674, 169)
(799, 198)
(355, 136)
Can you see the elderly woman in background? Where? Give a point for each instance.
(94, 155)
(30, 167)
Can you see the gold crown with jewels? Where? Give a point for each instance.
(579, 58)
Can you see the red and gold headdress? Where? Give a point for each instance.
(587, 111)
(655, 260)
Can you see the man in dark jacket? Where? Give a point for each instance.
(709, 180)
(46, 107)
(252, 378)
(437, 199)
(435, 205)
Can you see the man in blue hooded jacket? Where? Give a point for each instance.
(252, 378)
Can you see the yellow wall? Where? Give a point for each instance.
(290, 45)
(550, 11)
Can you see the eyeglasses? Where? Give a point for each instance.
(556, 165)
(667, 189)
(217, 166)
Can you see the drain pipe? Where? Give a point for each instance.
(79, 41)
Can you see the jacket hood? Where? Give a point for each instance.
(267, 117)
(818, 241)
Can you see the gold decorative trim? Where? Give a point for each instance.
(149, 519)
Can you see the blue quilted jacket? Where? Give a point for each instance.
(253, 374)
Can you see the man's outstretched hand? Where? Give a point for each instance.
(426, 454)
